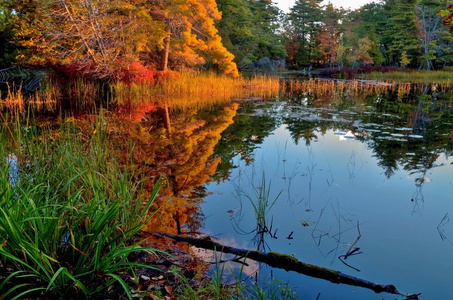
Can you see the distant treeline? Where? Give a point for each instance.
(106, 39)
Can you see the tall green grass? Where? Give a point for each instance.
(68, 212)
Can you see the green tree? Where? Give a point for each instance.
(401, 31)
(8, 50)
(304, 20)
(266, 17)
(237, 30)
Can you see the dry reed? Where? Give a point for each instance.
(195, 89)
(329, 87)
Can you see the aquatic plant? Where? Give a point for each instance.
(262, 204)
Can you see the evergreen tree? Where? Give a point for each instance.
(266, 19)
(401, 31)
(304, 20)
(250, 30)
(8, 50)
(237, 30)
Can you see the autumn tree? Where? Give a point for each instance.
(102, 37)
(329, 34)
(191, 36)
(96, 37)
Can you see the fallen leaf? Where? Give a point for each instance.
(169, 289)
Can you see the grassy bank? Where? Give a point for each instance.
(440, 77)
(70, 217)
(68, 212)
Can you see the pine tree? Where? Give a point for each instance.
(305, 17)
(401, 32)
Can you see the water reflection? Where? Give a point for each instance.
(347, 166)
(360, 171)
(177, 145)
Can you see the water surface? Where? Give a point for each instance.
(375, 164)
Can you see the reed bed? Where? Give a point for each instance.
(185, 89)
(434, 77)
(15, 99)
(68, 213)
(191, 88)
(332, 87)
(326, 87)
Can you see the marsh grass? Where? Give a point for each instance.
(213, 287)
(262, 203)
(185, 89)
(15, 99)
(437, 77)
(191, 88)
(328, 89)
(67, 218)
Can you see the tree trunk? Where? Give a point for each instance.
(288, 263)
(166, 50)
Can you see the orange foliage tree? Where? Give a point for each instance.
(191, 35)
(105, 38)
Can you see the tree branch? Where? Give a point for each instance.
(288, 263)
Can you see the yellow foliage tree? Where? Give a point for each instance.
(192, 37)
(103, 36)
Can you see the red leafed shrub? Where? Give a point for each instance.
(127, 71)
(135, 72)
(78, 69)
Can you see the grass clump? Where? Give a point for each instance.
(67, 214)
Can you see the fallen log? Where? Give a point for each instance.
(288, 263)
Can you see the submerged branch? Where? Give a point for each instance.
(288, 263)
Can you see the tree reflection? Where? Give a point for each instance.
(176, 145)
(406, 126)
(242, 138)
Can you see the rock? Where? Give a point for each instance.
(265, 65)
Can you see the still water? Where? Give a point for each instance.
(367, 168)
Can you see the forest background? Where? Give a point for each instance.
(121, 39)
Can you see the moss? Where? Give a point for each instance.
(285, 258)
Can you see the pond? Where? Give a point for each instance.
(336, 170)
(354, 176)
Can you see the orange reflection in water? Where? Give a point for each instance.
(183, 159)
